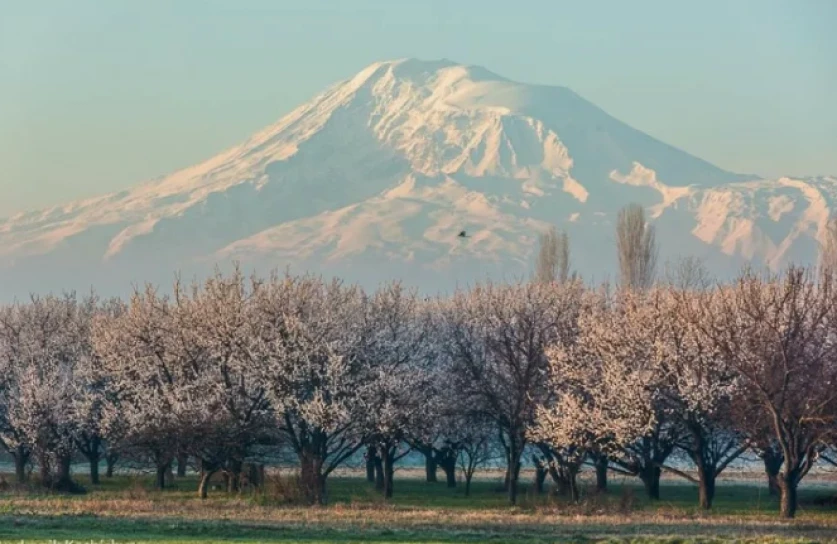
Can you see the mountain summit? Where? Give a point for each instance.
(375, 178)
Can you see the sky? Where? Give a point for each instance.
(96, 96)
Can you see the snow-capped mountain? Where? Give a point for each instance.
(376, 177)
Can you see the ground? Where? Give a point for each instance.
(126, 509)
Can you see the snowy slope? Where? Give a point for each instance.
(374, 178)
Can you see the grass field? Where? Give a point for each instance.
(127, 509)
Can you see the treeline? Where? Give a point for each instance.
(624, 379)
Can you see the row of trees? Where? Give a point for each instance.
(627, 379)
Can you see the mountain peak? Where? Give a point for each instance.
(373, 179)
(416, 65)
(420, 71)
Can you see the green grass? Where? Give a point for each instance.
(731, 498)
(96, 529)
(127, 509)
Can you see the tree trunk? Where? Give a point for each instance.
(94, 456)
(234, 482)
(234, 476)
(706, 486)
(515, 453)
(788, 501)
(431, 466)
(160, 477)
(650, 477)
(20, 470)
(21, 457)
(507, 477)
(572, 485)
(110, 460)
(182, 464)
(773, 488)
(170, 474)
(321, 497)
(313, 479)
(706, 492)
(389, 472)
(468, 476)
(772, 466)
(94, 469)
(540, 475)
(601, 463)
(203, 487)
(380, 483)
(65, 481)
(447, 460)
(254, 475)
(370, 464)
(562, 483)
(450, 474)
(45, 470)
(566, 481)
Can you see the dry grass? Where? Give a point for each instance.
(426, 514)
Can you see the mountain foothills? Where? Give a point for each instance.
(376, 178)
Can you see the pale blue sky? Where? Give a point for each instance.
(98, 95)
